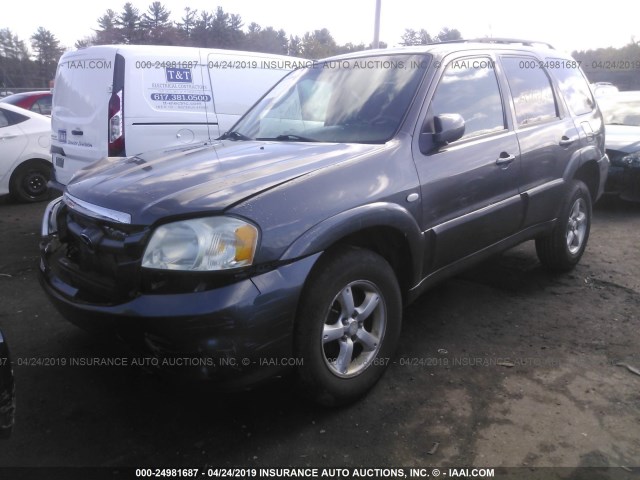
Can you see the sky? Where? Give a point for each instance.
(568, 26)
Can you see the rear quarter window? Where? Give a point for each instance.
(573, 85)
(8, 118)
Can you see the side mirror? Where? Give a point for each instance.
(447, 128)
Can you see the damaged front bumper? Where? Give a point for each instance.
(624, 175)
(236, 335)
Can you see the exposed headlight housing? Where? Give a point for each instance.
(202, 245)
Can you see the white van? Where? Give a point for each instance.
(121, 100)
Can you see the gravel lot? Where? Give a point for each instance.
(504, 366)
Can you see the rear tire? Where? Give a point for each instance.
(29, 181)
(562, 249)
(347, 325)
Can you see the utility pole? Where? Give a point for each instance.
(376, 26)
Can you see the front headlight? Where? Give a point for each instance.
(202, 244)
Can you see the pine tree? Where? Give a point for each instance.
(128, 23)
(47, 51)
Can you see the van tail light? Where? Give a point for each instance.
(116, 126)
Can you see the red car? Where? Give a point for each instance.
(39, 102)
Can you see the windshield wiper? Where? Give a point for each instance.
(289, 137)
(233, 136)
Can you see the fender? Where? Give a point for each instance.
(579, 158)
(590, 154)
(573, 165)
(380, 214)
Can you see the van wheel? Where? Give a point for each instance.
(562, 249)
(29, 182)
(347, 325)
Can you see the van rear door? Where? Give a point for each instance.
(79, 113)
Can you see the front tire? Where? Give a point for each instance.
(562, 249)
(347, 325)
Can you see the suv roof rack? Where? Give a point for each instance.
(526, 43)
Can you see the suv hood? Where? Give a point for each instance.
(209, 177)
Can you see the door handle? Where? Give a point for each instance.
(505, 159)
(566, 141)
(8, 137)
(77, 132)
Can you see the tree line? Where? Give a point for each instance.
(219, 29)
(620, 66)
(35, 67)
(21, 66)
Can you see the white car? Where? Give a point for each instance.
(25, 159)
(602, 89)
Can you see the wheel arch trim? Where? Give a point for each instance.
(332, 230)
(591, 158)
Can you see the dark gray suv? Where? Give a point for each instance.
(296, 239)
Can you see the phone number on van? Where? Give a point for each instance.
(180, 97)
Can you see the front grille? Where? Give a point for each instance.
(100, 259)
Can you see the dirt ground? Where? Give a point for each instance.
(504, 366)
